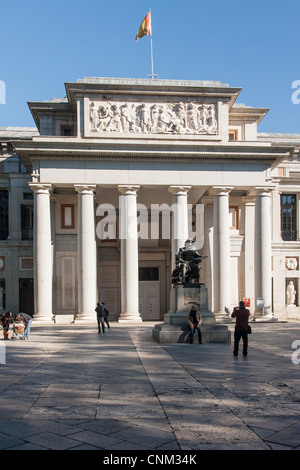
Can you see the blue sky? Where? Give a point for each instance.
(250, 44)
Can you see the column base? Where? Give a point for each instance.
(85, 317)
(264, 317)
(130, 317)
(43, 318)
(223, 317)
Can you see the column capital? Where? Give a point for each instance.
(179, 190)
(85, 188)
(128, 189)
(41, 188)
(261, 191)
(220, 190)
(248, 200)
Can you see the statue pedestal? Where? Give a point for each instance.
(175, 328)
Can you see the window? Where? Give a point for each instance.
(288, 217)
(25, 262)
(28, 196)
(3, 214)
(27, 222)
(234, 217)
(66, 131)
(67, 216)
(148, 274)
(232, 135)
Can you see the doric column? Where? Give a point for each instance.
(250, 250)
(180, 232)
(87, 253)
(129, 253)
(263, 231)
(221, 269)
(43, 259)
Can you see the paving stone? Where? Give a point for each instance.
(52, 441)
(62, 427)
(98, 440)
(28, 446)
(106, 426)
(288, 437)
(7, 442)
(17, 428)
(151, 438)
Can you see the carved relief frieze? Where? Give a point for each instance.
(153, 118)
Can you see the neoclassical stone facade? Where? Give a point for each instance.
(119, 161)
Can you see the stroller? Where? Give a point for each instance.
(18, 328)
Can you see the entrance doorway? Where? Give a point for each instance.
(149, 298)
(26, 297)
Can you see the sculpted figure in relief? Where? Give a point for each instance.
(127, 119)
(163, 118)
(93, 116)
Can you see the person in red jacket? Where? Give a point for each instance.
(241, 316)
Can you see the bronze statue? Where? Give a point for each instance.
(187, 265)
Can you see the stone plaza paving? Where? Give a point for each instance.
(69, 388)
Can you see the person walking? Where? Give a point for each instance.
(100, 317)
(6, 319)
(241, 315)
(106, 313)
(194, 322)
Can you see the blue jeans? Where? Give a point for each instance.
(192, 331)
(27, 329)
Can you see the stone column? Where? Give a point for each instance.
(208, 249)
(221, 269)
(180, 227)
(87, 253)
(263, 231)
(250, 251)
(43, 268)
(129, 253)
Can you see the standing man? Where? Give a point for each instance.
(241, 315)
(194, 321)
(100, 317)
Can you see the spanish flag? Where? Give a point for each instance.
(145, 27)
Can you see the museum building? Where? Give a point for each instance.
(97, 200)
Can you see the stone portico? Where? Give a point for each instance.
(133, 149)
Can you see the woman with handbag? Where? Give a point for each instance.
(241, 315)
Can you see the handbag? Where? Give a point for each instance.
(249, 330)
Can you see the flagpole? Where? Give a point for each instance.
(152, 58)
(151, 47)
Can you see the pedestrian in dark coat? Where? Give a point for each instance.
(241, 315)
(100, 311)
